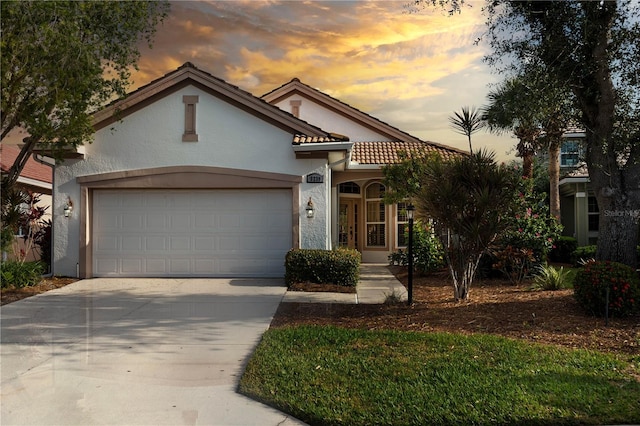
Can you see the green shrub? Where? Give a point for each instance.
(428, 255)
(21, 274)
(583, 253)
(341, 266)
(531, 228)
(549, 278)
(591, 284)
(563, 247)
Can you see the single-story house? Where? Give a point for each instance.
(192, 176)
(36, 177)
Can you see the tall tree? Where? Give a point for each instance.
(592, 48)
(466, 122)
(63, 59)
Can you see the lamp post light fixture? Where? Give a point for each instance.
(410, 211)
(310, 209)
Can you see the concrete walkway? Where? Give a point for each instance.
(376, 284)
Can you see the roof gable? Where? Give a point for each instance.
(189, 74)
(363, 153)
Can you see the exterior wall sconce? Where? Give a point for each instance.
(310, 210)
(68, 208)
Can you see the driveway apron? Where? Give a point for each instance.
(136, 352)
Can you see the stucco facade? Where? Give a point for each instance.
(191, 134)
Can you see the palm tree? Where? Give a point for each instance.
(508, 111)
(537, 109)
(467, 122)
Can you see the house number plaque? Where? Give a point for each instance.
(315, 178)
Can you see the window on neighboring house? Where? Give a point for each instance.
(402, 223)
(593, 214)
(295, 108)
(570, 153)
(376, 225)
(190, 134)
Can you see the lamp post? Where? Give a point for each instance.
(410, 210)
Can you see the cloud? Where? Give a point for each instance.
(398, 66)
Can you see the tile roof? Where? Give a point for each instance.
(32, 170)
(368, 154)
(386, 152)
(303, 139)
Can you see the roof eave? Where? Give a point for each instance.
(221, 87)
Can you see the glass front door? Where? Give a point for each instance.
(348, 224)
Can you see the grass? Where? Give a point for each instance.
(332, 376)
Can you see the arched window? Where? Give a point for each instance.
(376, 220)
(349, 188)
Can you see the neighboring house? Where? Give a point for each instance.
(578, 206)
(195, 177)
(35, 177)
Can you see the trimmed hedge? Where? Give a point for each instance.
(341, 266)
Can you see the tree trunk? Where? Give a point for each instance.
(527, 165)
(618, 196)
(18, 165)
(616, 187)
(462, 270)
(554, 178)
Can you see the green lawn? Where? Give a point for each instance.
(334, 376)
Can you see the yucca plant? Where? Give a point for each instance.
(548, 277)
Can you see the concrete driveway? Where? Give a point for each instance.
(136, 352)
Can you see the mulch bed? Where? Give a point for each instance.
(8, 295)
(495, 306)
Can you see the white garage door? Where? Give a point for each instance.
(191, 232)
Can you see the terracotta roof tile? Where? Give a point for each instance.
(32, 170)
(302, 139)
(386, 152)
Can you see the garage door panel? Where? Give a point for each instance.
(132, 266)
(131, 243)
(191, 232)
(155, 243)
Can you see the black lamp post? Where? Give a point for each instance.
(410, 210)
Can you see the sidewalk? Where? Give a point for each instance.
(375, 285)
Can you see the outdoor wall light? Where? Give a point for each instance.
(310, 210)
(68, 208)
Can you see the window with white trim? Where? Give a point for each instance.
(570, 153)
(375, 216)
(402, 223)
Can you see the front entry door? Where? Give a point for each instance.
(348, 224)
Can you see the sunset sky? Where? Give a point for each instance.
(411, 70)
